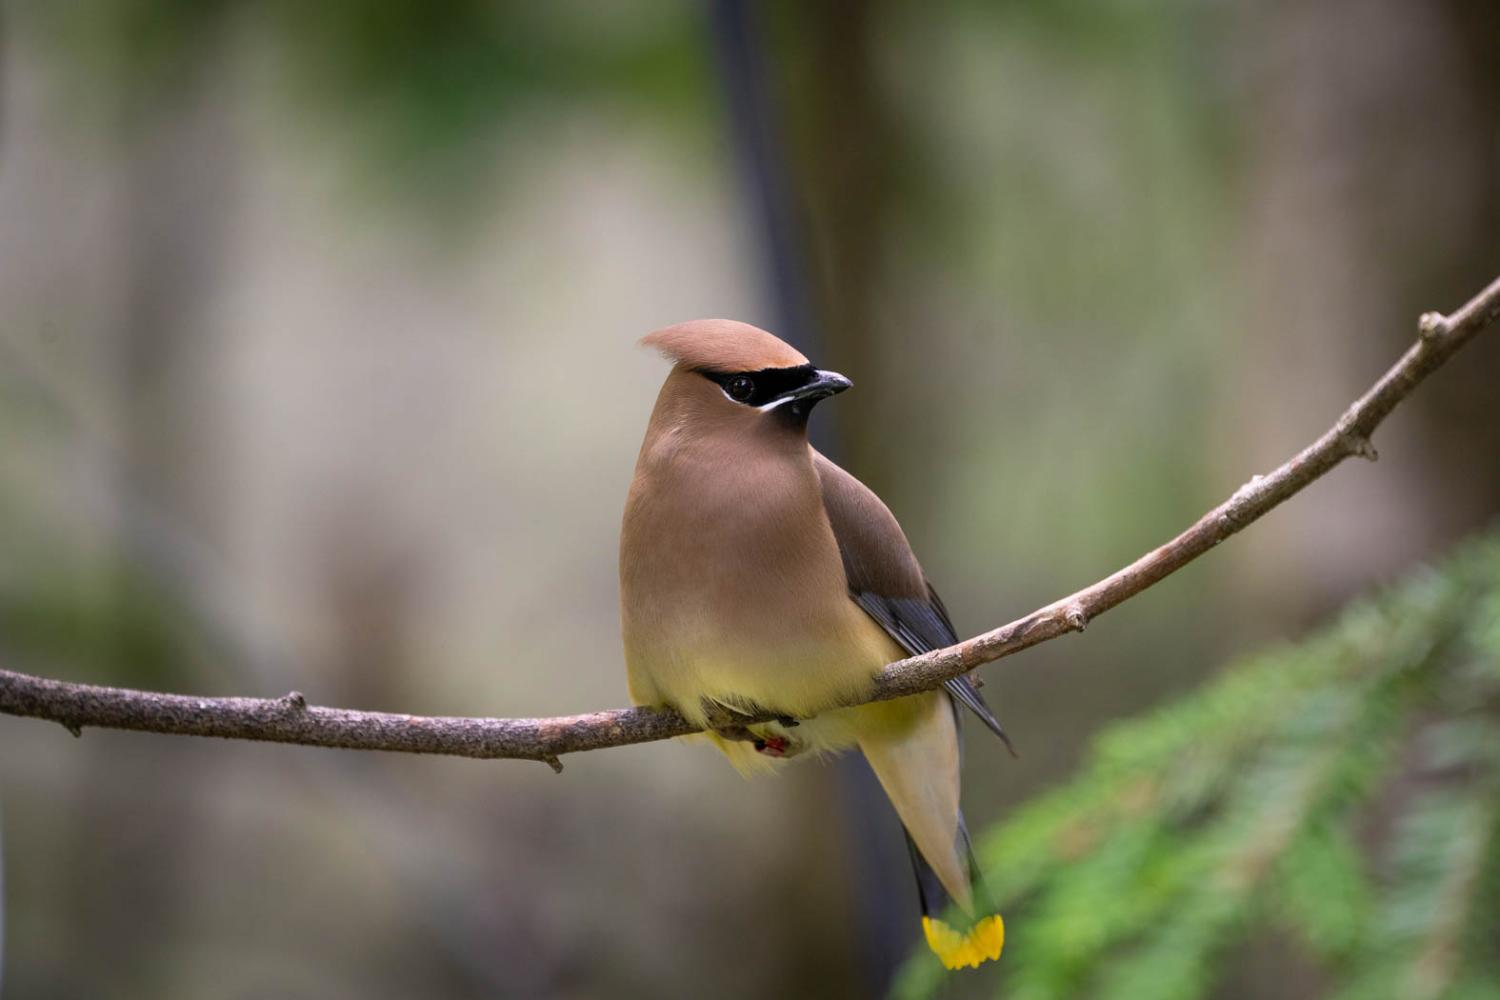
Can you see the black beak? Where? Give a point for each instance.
(820, 386)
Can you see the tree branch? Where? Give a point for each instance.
(291, 720)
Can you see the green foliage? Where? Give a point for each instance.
(428, 92)
(1343, 793)
(428, 88)
(75, 602)
(101, 622)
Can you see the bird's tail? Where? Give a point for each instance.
(976, 939)
(916, 758)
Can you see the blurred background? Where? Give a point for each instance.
(317, 371)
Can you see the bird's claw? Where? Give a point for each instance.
(773, 746)
(724, 720)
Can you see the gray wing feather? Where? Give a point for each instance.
(920, 627)
(887, 582)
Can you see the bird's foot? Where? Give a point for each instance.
(770, 745)
(773, 746)
(722, 715)
(725, 721)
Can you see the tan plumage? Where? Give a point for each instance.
(723, 344)
(758, 575)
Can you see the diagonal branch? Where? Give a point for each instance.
(291, 720)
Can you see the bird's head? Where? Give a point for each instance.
(733, 372)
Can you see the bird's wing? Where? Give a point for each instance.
(886, 580)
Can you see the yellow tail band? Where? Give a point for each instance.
(959, 949)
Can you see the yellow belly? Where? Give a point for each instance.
(803, 680)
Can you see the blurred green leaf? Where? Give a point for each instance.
(1345, 789)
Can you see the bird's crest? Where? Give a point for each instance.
(723, 345)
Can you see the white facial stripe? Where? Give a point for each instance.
(765, 408)
(768, 407)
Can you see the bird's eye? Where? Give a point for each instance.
(740, 387)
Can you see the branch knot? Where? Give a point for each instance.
(1433, 326)
(1232, 517)
(1361, 445)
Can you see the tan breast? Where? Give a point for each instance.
(731, 584)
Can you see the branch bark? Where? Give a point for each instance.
(290, 719)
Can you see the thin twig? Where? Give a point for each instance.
(291, 720)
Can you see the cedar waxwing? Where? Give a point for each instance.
(757, 577)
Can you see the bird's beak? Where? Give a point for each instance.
(820, 386)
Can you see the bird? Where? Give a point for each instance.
(758, 580)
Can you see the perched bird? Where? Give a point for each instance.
(757, 578)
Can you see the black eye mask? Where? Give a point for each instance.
(761, 387)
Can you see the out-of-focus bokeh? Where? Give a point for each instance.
(317, 371)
